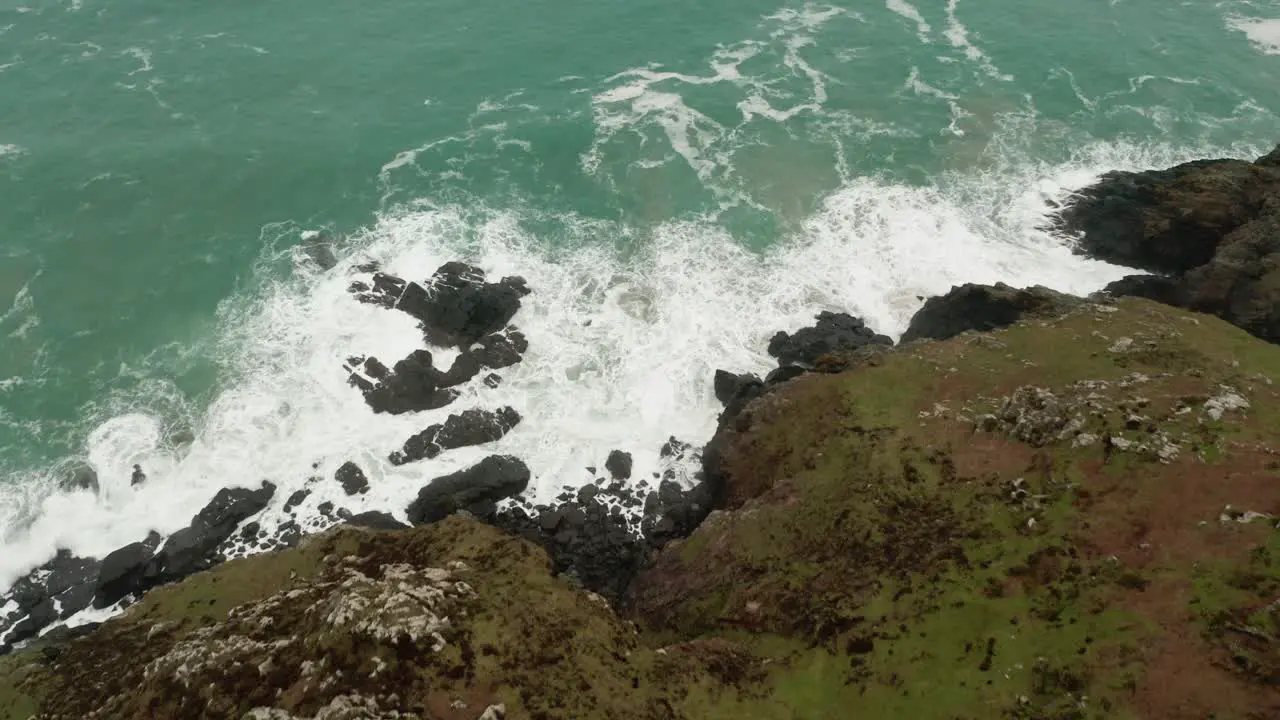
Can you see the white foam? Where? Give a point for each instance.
(623, 346)
(1263, 33)
(6, 150)
(909, 11)
(958, 35)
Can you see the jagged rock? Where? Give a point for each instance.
(192, 548)
(1212, 226)
(494, 478)
(983, 308)
(729, 386)
(459, 307)
(619, 465)
(386, 290)
(470, 427)
(413, 385)
(832, 332)
(502, 349)
(352, 479)
(122, 573)
(375, 520)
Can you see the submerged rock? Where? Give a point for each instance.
(492, 479)
(833, 332)
(465, 429)
(983, 308)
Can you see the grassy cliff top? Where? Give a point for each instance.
(1071, 518)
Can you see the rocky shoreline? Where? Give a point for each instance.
(1027, 394)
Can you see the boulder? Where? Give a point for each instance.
(296, 499)
(833, 332)
(352, 479)
(983, 308)
(619, 465)
(470, 427)
(458, 307)
(385, 290)
(194, 547)
(123, 572)
(494, 478)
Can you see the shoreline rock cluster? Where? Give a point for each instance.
(830, 519)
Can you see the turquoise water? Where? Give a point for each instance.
(677, 179)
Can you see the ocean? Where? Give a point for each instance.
(677, 181)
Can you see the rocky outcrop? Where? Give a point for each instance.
(456, 307)
(833, 332)
(475, 489)
(416, 384)
(983, 308)
(619, 465)
(465, 429)
(1209, 226)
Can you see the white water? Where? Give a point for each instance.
(622, 349)
(1263, 33)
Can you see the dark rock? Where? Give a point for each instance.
(500, 350)
(319, 249)
(352, 478)
(465, 367)
(250, 531)
(729, 386)
(122, 573)
(492, 479)
(983, 308)
(138, 476)
(1168, 221)
(39, 617)
(674, 449)
(833, 332)
(1153, 287)
(413, 385)
(325, 508)
(296, 499)
(81, 476)
(587, 493)
(386, 290)
(493, 380)
(375, 520)
(471, 427)
(75, 599)
(192, 548)
(619, 465)
(460, 307)
(1212, 227)
(786, 373)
